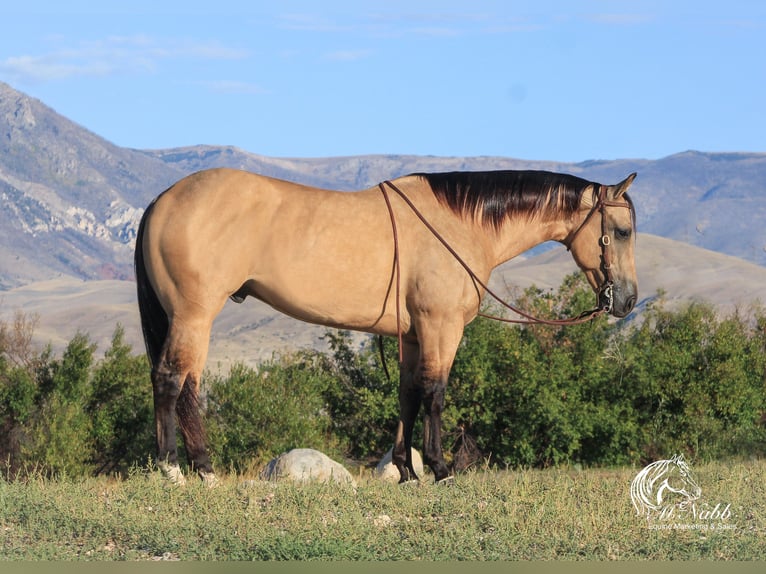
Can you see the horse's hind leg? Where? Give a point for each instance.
(189, 413)
(176, 394)
(409, 405)
(166, 383)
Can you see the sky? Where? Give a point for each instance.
(551, 80)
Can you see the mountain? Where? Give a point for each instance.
(71, 201)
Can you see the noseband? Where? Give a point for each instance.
(607, 289)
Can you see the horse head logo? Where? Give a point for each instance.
(662, 484)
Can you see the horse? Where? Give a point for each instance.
(660, 480)
(391, 260)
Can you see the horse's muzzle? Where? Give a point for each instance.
(618, 302)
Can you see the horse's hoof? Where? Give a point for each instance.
(172, 472)
(410, 481)
(209, 479)
(446, 481)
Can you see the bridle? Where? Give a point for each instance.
(605, 292)
(607, 288)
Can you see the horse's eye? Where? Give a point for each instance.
(622, 234)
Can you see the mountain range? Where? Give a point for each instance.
(71, 200)
(70, 203)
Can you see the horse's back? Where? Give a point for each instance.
(225, 209)
(210, 195)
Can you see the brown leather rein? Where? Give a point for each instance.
(528, 319)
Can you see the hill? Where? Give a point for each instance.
(253, 331)
(71, 200)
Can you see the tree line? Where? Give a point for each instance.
(599, 394)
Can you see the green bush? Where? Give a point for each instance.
(341, 404)
(607, 393)
(602, 393)
(120, 408)
(59, 437)
(697, 382)
(72, 415)
(255, 414)
(363, 402)
(525, 392)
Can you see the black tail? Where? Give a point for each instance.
(154, 320)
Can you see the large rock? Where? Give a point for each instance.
(306, 464)
(387, 471)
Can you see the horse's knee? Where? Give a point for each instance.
(433, 398)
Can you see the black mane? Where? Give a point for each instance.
(498, 195)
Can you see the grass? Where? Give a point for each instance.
(485, 515)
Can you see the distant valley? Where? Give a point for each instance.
(253, 332)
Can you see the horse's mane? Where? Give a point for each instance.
(642, 487)
(498, 195)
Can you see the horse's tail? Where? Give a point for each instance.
(154, 319)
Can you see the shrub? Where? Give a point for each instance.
(120, 408)
(362, 401)
(601, 393)
(59, 435)
(604, 394)
(696, 382)
(524, 393)
(255, 414)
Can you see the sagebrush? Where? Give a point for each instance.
(600, 394)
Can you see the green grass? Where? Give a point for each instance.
(513, 515)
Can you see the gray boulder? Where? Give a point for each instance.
(306, 464)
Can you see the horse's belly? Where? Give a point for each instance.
(332, 305)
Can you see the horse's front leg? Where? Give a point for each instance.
(433, 404)
(438, 347)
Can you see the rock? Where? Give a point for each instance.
(306, 464)
(387, 471)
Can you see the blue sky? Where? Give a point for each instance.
(546, 80)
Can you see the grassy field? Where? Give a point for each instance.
(484, 515)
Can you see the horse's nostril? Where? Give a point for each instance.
(629, 304)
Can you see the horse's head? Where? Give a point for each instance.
(602, 244)
(679, 479)
(661, 484)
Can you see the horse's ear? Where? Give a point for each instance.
(617, 191)
(587, 198)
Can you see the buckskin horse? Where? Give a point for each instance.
(408, 258)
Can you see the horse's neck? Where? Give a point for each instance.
(518, 235)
